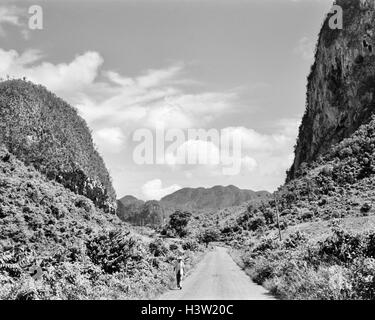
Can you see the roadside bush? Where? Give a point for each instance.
(158, 248)
(178, 222)
(262, 270)
(294, 240)
(256, 223)
(264, 245)
(191, 245)
(366, 207)
(342, 247)
(173, 247)
(301, 283)
(209, 235)
(364, 278)
(115, 251)
(340, 267)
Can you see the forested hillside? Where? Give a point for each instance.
(59, 238)
(44, 131)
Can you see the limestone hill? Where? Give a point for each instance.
(44, 131)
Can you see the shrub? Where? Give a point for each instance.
(115, 251)
(191, 245)
(158, 248)
(209, 235)
(84, 203)
(364, 278)
(256, 223)
(178, 222)
(342, 247)
(173, 247)
(262, 270)
(264, 245)
(366, 207)
(295, 240)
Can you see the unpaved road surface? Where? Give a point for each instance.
(218, 277)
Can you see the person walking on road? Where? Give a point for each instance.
(179, 271)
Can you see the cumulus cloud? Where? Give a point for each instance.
(108, 99)
(195, 152)
(11, 15)
(255, 142)
(153, 98)
(110, 140)
(260, 154)
(256, 151)
(64, 78)
(249, 163)
(115, 105)
(153, 190)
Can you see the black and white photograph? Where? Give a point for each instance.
(157, 151)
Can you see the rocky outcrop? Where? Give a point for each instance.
(45, 132)
(341, 85)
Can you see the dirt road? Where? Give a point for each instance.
(218, 277)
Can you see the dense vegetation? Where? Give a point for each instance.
(337, 187)
(340, 267)
(44, 131)
(339, 184)
(55, 244)
(177, 224)
(139, 213)
(215, 198)
(202, 202)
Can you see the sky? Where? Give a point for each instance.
(236, 66)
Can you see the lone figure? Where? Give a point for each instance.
(179, 271)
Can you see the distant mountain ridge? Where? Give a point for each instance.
(217, 197)
(138, 212)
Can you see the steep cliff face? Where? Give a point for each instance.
(341, 85)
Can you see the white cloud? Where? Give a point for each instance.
(64, 78)
(249, 163)
(153, 190)
(115, 105)
(252, 141)
(111, 140)
(195, 152)
(154, 77)
(266, 156)
(108, 99)
(11, 15)
(267, 153)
